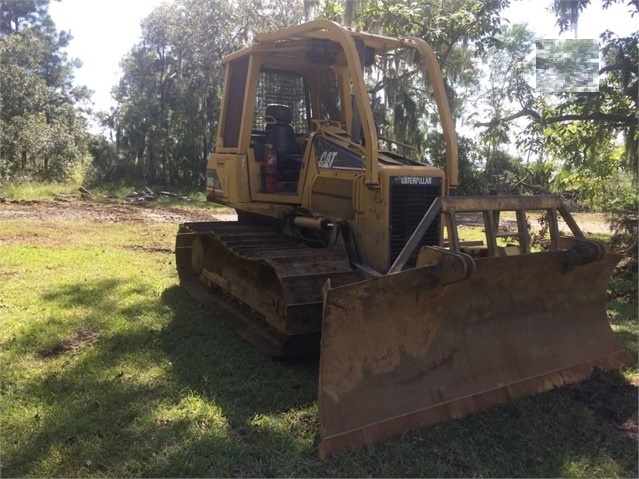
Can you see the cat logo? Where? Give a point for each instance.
(326, 159)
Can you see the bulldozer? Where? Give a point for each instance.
(350, 245)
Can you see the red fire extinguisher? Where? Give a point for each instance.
(270, 169)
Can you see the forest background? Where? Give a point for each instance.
(516, 135)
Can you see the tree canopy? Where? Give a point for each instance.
(163, 127)
(42, 130)
(169, 94)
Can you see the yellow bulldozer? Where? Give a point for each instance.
(348, 245)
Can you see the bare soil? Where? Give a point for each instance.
(81, 338)
(109, 211)
(114, 211)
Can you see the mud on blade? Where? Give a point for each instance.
(400, 351)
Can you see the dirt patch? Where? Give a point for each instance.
(78, 340)
(108, 212)
(148, 249)
(113, 211)
(589, 223)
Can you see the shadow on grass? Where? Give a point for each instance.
(137, 403)
(72, 309)
(121, 404)
(255, 394)
(83, 395)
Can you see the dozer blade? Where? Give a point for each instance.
(404, 351)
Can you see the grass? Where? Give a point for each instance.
(30, 191)
(108, 368)
(34, 191)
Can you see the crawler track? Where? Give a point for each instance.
(268, 285)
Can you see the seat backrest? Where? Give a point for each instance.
(279, 130)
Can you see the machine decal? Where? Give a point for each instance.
(335, 157)
(415, 180)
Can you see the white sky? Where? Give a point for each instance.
(105, 30)
(592, 21)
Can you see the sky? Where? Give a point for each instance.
(105, 30)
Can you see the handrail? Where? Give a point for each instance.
(443, 108)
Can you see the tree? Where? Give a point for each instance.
(508, 68)
(583, 128)
(580, 129)
(472, 181)
(456, 30)
(41, 131)
(169, 95)
(25, 14)
(567, 11)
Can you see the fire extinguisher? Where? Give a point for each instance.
(270, 169)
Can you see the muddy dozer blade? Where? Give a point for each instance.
(401, 351)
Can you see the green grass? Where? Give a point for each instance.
(108, 368)
(33, 191)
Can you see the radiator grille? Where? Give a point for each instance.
(410, 198)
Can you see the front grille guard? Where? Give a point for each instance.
(490, 207)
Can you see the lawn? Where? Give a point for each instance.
(108, 368)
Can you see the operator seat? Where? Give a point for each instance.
(280, 134)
